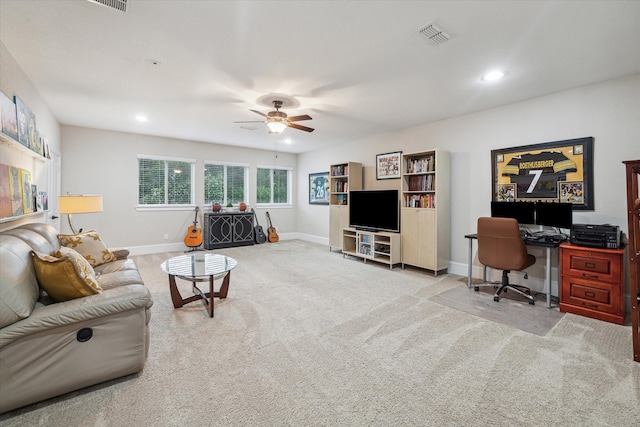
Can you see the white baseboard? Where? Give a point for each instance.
(178, 247)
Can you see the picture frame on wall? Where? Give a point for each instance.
(319, 188)
(558, 171)
(8, 117)
(388, 165)
(23, 116)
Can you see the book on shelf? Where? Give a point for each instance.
(422, 183)
(340, 170)
(422, 164)
(420, 201)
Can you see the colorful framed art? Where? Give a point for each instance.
(319, 188)
(559, 171)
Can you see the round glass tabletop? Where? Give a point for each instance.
(199, 264)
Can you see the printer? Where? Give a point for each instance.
(596, 236)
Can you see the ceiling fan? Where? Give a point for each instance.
(277, 121)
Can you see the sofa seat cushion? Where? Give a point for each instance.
(89, 245)
(119, 278)
(67, 277)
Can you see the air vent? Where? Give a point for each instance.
(121, 5)
(434, 33)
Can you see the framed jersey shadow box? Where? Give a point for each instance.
(559, 171)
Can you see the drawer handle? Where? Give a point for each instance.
(590, 265)
(590, 294)
(590, 305)
(595, 276)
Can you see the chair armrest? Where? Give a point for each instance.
(120, 253)
(112, 301)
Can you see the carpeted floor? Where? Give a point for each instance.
(309, 338)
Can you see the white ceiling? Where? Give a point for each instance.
(357, 67)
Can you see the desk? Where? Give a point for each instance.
(548, 246)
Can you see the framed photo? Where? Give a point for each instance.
(8, 117)
(27, 196)
(319, 188)
(506, 193)
(558, 171)
(388, 165)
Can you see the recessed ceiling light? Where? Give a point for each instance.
(492, 76)
(141, 118)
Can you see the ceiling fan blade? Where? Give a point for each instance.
(304, 128)
(259, 112)
(299, 118)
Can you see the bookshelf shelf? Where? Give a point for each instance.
(425, 213)
(342, 178)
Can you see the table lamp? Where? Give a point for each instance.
(79, 203)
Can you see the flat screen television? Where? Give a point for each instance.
(523, 212)
(374, 210)
(557, 215)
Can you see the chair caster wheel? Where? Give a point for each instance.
(476, 288)
(496, 299)
(532, 302)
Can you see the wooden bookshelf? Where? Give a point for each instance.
(342, 178)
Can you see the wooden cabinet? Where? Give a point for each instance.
(425, 212)
(592, 282)
(342, 178)
(224, 230)
(633, 219)
(380, 247)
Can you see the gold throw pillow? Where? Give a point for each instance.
(67, 277)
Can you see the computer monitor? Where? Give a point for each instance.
(557, 215)
(523, 212)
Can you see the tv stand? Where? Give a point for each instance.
(378, 246)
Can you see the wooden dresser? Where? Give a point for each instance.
(592, 282)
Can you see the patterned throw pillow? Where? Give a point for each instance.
(89, 245)
(67, 277)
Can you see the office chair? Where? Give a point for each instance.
(500, 246)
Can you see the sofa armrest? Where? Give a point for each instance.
(106, 303)
(120, 253)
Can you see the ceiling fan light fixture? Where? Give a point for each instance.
(276, 126)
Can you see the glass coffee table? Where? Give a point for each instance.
(199, 267)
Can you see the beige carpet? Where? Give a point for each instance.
(309, 338)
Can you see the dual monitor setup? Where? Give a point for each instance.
(549, 214)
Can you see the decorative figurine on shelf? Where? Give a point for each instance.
(242, 206)
(215, 207)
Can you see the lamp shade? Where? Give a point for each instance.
(79, 203)
(276, 126)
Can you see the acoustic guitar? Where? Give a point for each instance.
(271, 231)
(258, 234)
(193, 239)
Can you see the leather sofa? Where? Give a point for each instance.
(49, 348)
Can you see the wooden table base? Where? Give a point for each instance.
(206, 297)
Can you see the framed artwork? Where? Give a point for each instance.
(27, 196)
(319, 188)
(23, 117)
(5, 192)
(15, 193)
(8, 118)
(388, 165)
(558, 171)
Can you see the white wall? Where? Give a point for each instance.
(103, 162)
(609, 111)
(13, 81)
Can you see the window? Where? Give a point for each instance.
(165, 182)
(225, 183)
(273, 186)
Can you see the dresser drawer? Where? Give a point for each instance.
(592, 265)
(592, 295)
